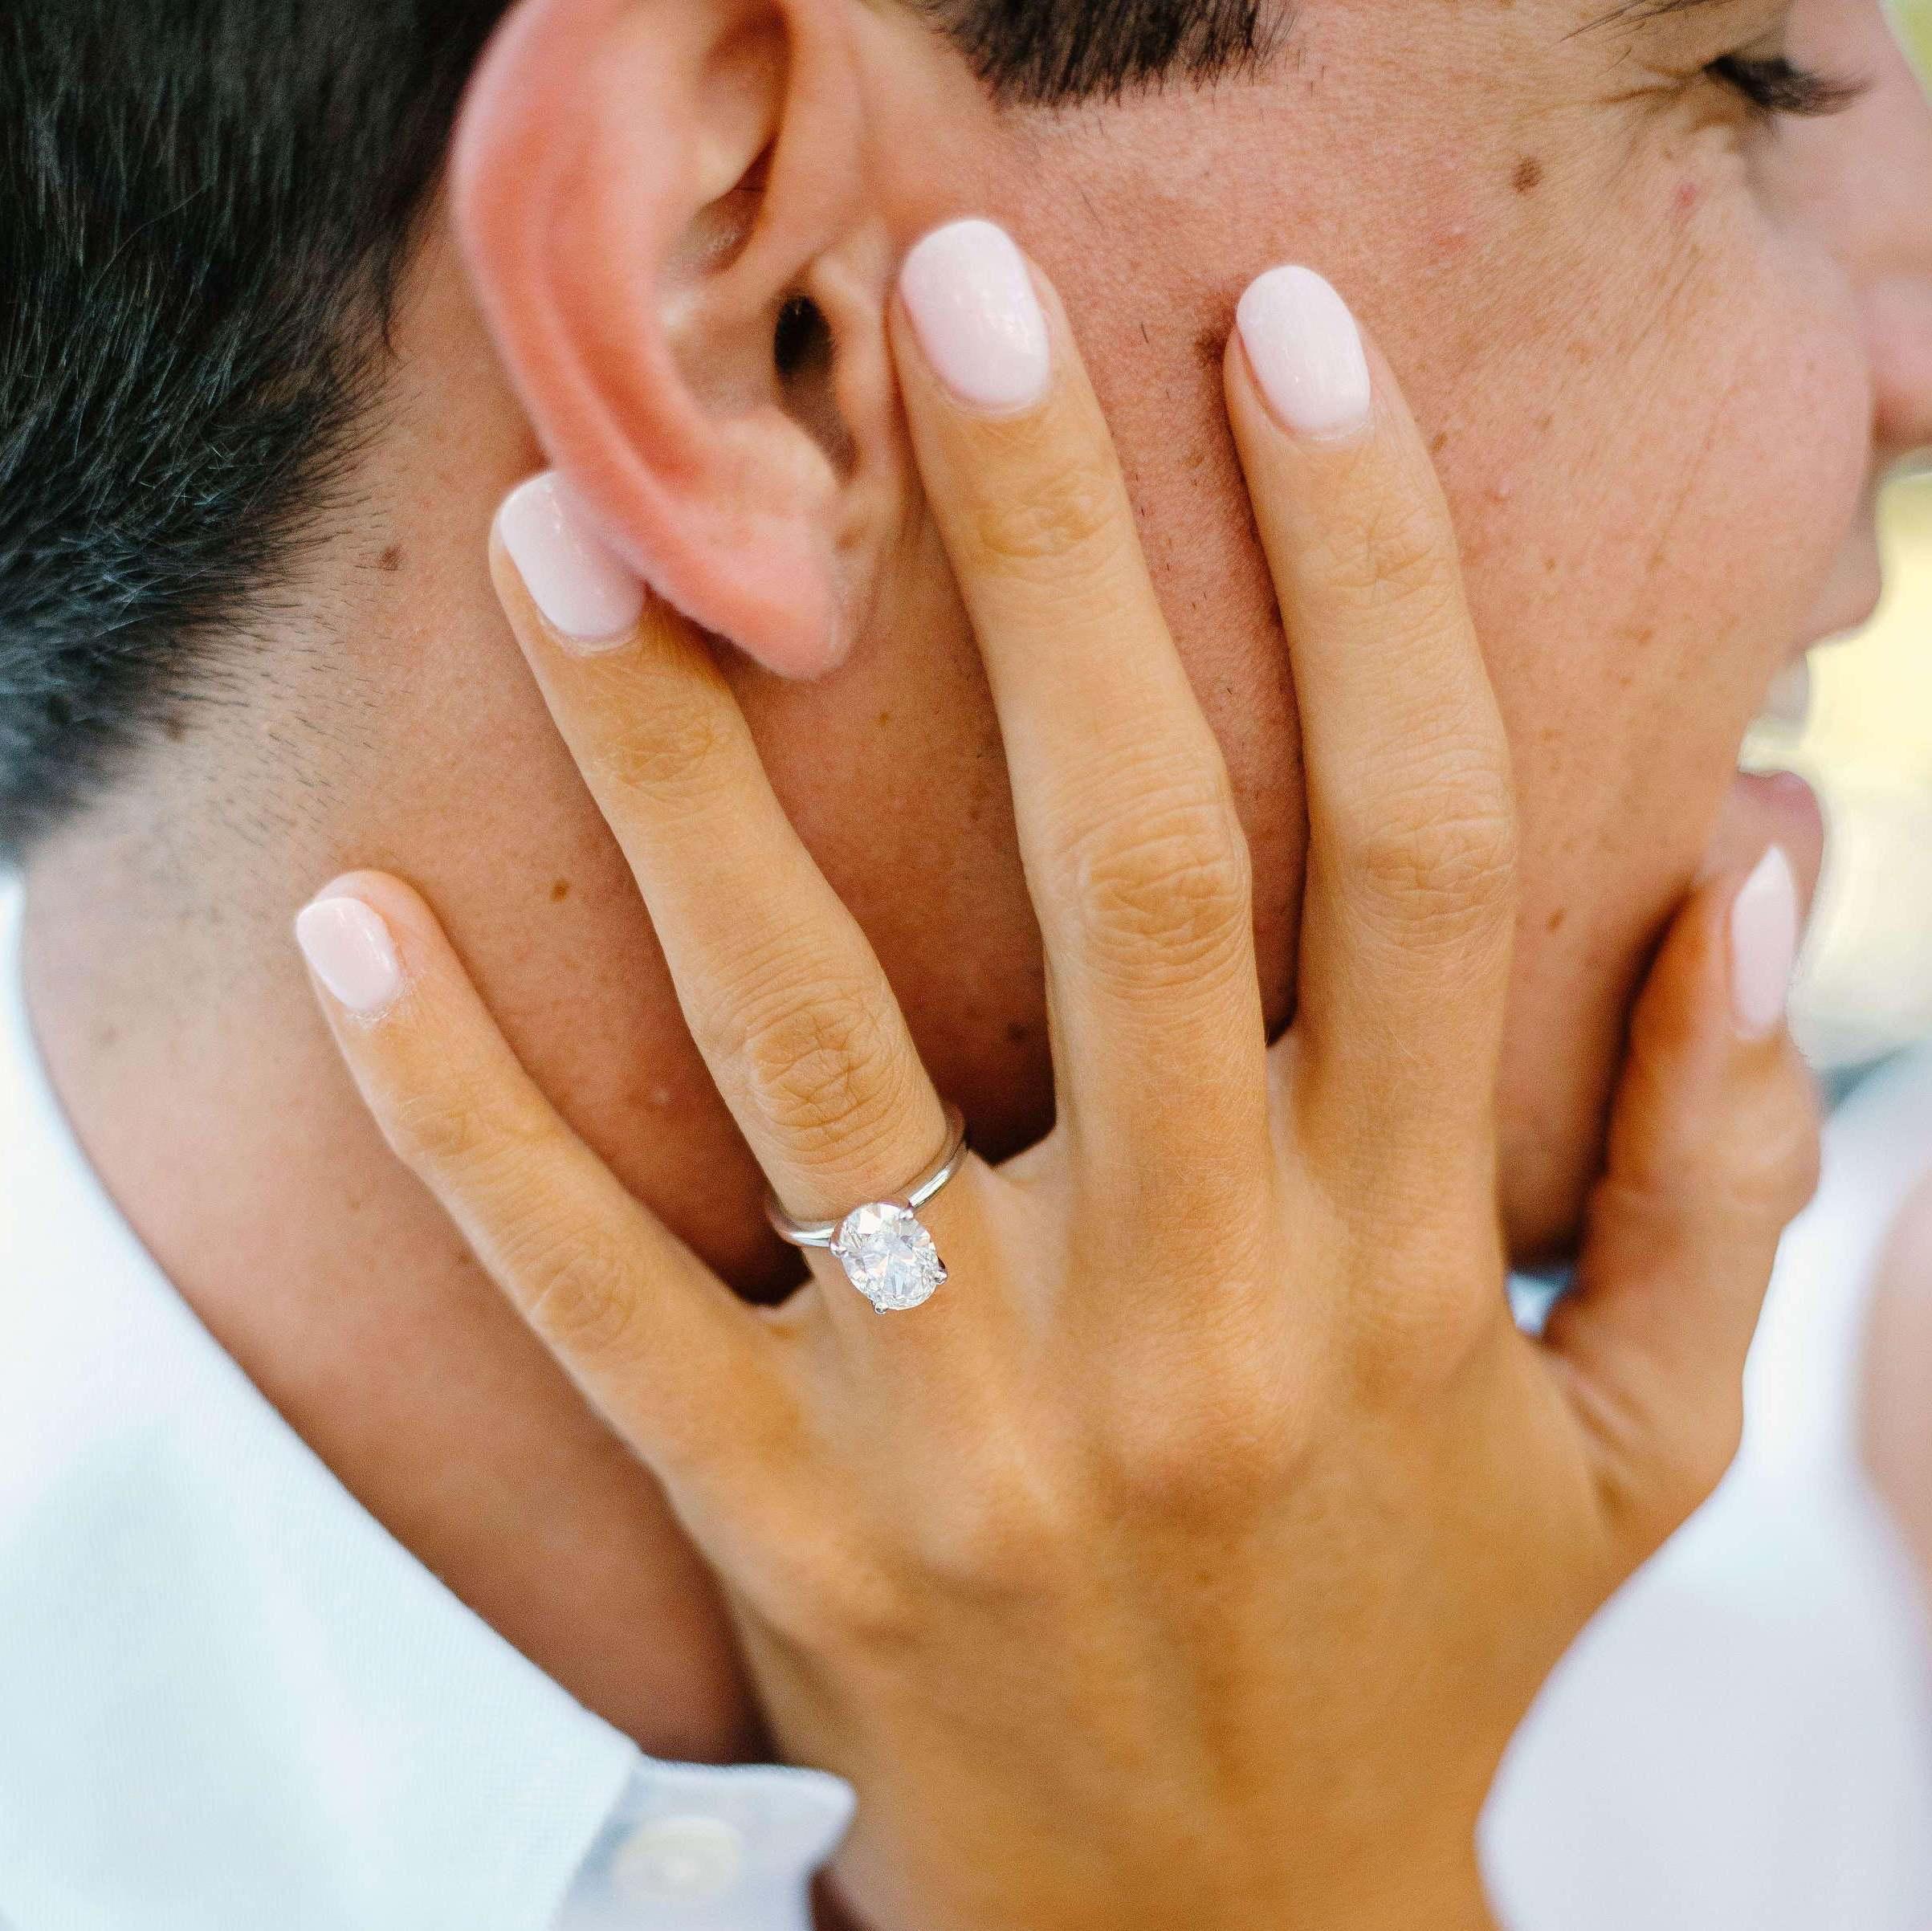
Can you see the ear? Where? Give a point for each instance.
(664, 204)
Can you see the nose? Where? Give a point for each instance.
(1900, 312)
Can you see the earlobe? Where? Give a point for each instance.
(655, 197)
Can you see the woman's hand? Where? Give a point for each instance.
(1191, 1557)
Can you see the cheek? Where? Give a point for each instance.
(1644, 555)
(1647, 557)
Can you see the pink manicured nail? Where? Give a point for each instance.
(1765, 924)
(971, 301)
(1306, 353)
(585, 592)
(349, 949)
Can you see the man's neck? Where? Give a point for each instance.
(181, 1041)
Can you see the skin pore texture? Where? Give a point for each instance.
(1663, 348)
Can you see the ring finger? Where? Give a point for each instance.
(781, 990)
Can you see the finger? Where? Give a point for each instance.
(1410, 895)
(782, 993)
(1714, 1149)
(1136, 861)
(653, 1338)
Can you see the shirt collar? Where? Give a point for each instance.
(229, 1698)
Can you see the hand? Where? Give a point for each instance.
(1191, 1557)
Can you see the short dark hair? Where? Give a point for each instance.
(206, 207)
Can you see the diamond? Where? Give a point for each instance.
(889, 1256)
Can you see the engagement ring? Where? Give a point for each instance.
(884, 1247)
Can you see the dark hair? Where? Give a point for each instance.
(205, 208)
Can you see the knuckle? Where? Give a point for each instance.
(1394, 552)
(580, 1291)
(449, 1131)
(1777, 1172)
(1001, 1527)
(1446, 854)
(1167, 890)
(1063, 511)
(1759, 1173)
(667, 759)
(1413, 1338)
(873, 1615)
(834, 1589)
(822, 1066)
(1206, 1455)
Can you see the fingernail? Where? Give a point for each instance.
(585, 593)
(1764, 934)
(1306, 352)
(972, 305)
(349, 949)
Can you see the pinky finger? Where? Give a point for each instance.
(1714, 1149)
(653, 1338)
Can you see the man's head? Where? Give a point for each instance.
(1661, 335)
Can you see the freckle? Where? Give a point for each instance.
(885, 718)
(1646, 635)
(559, 891)
(1018, 1032)
(1557, 919)
(174, 730)
(1210, 345)
(1438, 442)
(1549, 564)
(1528, 177)
(390, 561)
(1547, 421)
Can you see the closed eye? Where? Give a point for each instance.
(1778, 85)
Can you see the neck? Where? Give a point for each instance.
(181, 1040)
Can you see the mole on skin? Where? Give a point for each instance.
(1528, 177)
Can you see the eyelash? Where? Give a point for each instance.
(1778, 87)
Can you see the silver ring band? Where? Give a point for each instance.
(822, 1233)
(886, 1251)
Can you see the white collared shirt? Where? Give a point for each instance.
(230, 1702)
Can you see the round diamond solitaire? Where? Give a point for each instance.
(889, 1256)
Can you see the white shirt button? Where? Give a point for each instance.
(678, 1857)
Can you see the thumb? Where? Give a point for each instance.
(1714, 1149)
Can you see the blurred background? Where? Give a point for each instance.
(1867, 986)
